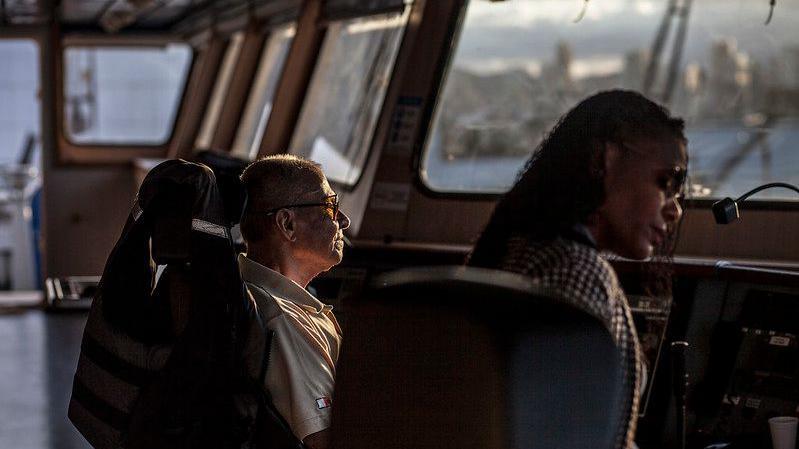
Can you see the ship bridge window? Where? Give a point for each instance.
(123, 94)
(19, 109)
(221, 88)
(259, 104)
(346, 93)
(520, 65)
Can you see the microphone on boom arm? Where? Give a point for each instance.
(726, 210)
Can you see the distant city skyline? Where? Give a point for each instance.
(599, 42)
(737, 86)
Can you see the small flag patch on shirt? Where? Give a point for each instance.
(323, 402)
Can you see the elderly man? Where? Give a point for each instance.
(293, 230)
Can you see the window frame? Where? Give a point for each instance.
(322, 26)
(454, 30)
(218, 97)
(269, 31)
(428, 113)
(749, 204)
(70, 152)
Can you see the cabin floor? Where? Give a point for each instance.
(39, 352)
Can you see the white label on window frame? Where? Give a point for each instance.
(393, 196)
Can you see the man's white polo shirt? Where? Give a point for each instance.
(305, 347)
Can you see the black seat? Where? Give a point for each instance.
(461, 357)
(227, 170)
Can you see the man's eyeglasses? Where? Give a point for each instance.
(330, 205)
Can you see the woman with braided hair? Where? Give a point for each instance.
(607, 179)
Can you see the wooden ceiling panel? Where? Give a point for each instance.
(122, 15)
(82, 12)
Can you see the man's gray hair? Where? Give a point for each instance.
(273, 182)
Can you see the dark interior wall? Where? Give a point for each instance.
(84, 207)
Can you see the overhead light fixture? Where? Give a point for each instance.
(114, 20)
(123, 13)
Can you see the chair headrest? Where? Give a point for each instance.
(175, 198)
(228, 170)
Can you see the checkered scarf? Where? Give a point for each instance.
(582, 275)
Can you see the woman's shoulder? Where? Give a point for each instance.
(576, 270)
(557, 251)
(584, 257)
(565, 260)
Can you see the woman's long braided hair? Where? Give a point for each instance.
(563, 182)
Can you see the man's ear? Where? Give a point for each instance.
(286, 225)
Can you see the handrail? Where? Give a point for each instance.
(741, 273)
(754, 271)
(724, 270)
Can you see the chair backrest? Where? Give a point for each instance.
(160, 359)
(465, 357)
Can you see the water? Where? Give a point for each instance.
(709, 148)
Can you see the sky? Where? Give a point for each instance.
(610, 28)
